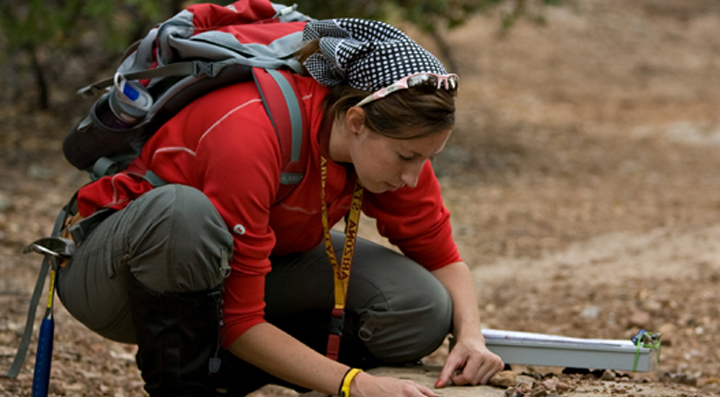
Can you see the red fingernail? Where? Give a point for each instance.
(437, 384)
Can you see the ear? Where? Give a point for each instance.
(355, 120)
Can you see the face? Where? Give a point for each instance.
(386, 164)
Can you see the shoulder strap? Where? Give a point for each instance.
(19, 359)
(284, 107)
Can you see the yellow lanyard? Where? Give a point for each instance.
(341, 271)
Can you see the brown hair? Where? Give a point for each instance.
(405, 114)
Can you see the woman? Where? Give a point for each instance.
(379, 107)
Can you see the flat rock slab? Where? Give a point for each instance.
(428, 375)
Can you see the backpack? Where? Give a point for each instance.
(202, 48)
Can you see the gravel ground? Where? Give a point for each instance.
(582, 179)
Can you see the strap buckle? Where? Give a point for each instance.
(56, 247)
(337, 321)
(210, 69)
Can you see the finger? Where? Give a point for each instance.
(450, 366)
(491, 366)
(426, 391)
(412, 389)
(469, 372)
(484, 373)
(444, 377)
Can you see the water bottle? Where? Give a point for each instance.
(125, 104)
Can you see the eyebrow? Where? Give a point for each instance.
(414, 153)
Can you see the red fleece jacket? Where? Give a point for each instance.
(224, 145)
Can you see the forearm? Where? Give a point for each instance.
(470, 355)
(458, 280)
(272, 350)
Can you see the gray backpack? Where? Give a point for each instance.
(198, 50)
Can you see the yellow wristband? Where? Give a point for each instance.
(347, 379)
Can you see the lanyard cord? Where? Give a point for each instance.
(341, 271)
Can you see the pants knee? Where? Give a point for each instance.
(178, 241)
(411, 328)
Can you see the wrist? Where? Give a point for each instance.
(467, 341)
(468, 332)
(347, 381)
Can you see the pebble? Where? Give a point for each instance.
(513, 392)
(682, 378)
(538, 392)
(712, 380)
(504, 379)
(608, 375)
(551, 384)
(668, 332)
(562, 387)
(590, 312)
(640, 318)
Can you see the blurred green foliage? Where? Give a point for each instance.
(63, 23)
(37, 35)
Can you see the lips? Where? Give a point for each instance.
(393, 188)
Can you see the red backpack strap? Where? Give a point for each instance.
(284, 107)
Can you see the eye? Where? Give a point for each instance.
(406, 158)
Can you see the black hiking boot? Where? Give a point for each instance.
(178, 336)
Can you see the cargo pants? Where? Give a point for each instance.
(172, 239)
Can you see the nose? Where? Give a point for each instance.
(411, 174)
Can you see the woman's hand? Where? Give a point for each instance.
(366, 385)
(470, 363)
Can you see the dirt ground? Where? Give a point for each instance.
(582, 178)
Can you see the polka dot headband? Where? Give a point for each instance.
(367, 55)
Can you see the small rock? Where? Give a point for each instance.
(533, 374)
(711, 380)
(689, 379)
(551, 384)
(653, 305)
(6, 351)
(608, 375)
(668, 332)
(56, 388)
(513, 392)
(524, 388)
(504, 379)
(640, 318)
(562, 387)
(685, 379)
(123, 356)
(590, 312)
(539, 392)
